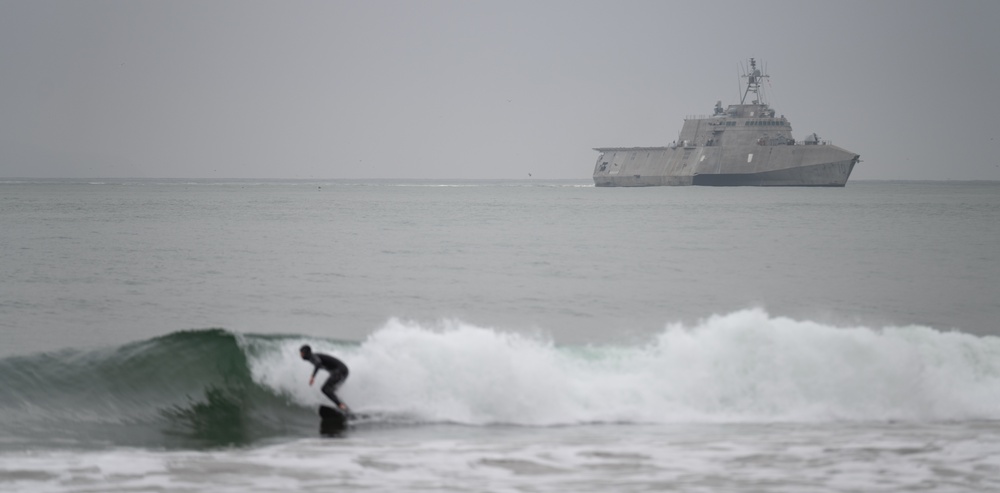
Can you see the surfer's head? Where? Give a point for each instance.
(305, 351)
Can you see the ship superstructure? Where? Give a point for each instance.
(745, 144)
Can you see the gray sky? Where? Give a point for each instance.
(488, 89)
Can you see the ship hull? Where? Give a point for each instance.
(819, 175)
(759, 166)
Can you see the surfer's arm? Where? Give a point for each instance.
(313, 376)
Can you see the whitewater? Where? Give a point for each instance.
(742, 367)
(501, 336)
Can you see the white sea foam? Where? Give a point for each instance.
(953, 457)
(744, 366)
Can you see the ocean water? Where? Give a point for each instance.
(501, 335)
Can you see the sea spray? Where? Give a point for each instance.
(746, 366)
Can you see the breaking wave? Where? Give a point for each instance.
(189, 388)
(214, 387)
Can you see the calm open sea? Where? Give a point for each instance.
(502, 336)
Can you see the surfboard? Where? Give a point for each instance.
(332, 417)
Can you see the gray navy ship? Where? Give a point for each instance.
(743, 145)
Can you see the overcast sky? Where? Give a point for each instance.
(484, 89)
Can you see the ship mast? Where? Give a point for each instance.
(753, 77)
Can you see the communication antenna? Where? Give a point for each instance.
(739, 84)
(754, 76)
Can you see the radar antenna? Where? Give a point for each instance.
(754, 76)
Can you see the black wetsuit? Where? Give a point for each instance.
(338, 373)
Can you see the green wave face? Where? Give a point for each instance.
(190, 389)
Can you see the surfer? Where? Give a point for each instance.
(336, 368)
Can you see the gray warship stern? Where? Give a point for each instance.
(743, 145)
